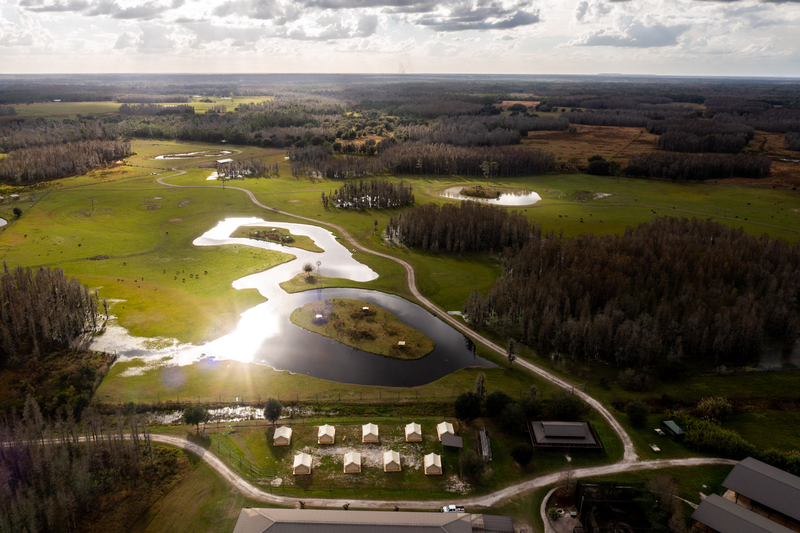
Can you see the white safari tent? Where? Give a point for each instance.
(445, 428)
(301, 465)
(369, 433)
(413, 432)
(352, 463)
(326, 434)
(433, 465)
(282, 437)
(391, 461)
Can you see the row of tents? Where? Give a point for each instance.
(369, 433)
(302, 464)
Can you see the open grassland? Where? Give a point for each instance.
(70, 110)
(768, 429)
(610, 142)
(363, 326)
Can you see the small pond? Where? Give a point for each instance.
(265, 335)
(778, 354)
(510, 197)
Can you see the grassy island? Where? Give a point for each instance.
(277, 235)
(372, 330)
(479, 191)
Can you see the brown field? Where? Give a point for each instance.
(610, 142)
(784, 173)
(505, 104)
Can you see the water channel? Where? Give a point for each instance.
(510, 197)
(265, 335)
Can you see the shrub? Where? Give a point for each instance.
(468, 406)
(522, 454)
(715, 409)
(495, 403)
(565, 406)
(531, 406)
(195, 415)
(512, 417)
(705, 436)
(272, 411)
(637, 412)
(635, 380)
(472, 464)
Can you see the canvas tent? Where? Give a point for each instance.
(391, 461)
(445, 428)
(413, 432)
(433, 465)
(301, 465)
(369, 433)
(282, 437)
(352, 463)
(326, 434)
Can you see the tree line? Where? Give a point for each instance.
(246, 168)
(55, 161)
(320, 163)
(6, 110)
(421, 158)
(680, 167)
(792, 141)
(668, 289)
(462, 227)
(156, 109)
(41, 310)
(53, 474)
(152, 98)
(371, 194)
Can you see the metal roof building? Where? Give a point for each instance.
(773, 489)
(560, 435)
(715, 513)
(319, 521)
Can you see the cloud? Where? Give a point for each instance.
(20, 39)
(635, 35)
(480, 16)
(587, 12)
(110, 8)
(57, 7)
(125, 40)
(367, 26)
(146, 11)
(154, 40)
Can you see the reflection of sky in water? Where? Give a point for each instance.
(265, 335)
(507, 196)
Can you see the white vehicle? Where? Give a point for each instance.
(453, 509)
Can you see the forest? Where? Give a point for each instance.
(666, 290)
(792, 141)
(41, 310)
(463, 227)
(372, 194)
(679, 167)
(55, 161)
(246, 168)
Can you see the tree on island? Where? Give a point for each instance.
(272, 411)
(195, 414)
(308, 268)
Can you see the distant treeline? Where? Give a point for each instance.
(153, 98)
(420, 158)
(41, 309)
(55, 161)
(670, 288)
(7, 110)
(156, 109)
(671, 166)
(479, 131)
(462, 227)
(320, 163)
(372, 194)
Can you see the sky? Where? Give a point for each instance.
(678, 37)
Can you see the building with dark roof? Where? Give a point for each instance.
(716, 514)
(319, 521)
(558, 436)
(673, 429)
(764, 496)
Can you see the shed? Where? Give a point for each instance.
(433, 465)
(301, 465)
(223, 161)
(445, 428)
(282, 437)
(673, 428)
(391, 461)
(352, 463)
(759, 485)
(369, 433)
(719, 514)
(413, 432)
(326, 434)
(401, 344)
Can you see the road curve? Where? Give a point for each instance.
(630, 451)
(476, 502)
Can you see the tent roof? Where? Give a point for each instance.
(445, 427)
(326, 430)
(283, 431)
(767, 485)
(391, 457)
(302, 459)
(352, 458)
(413, 427)
(433, 460)
(369, 429)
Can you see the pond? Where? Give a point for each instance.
(265, 335)
(776, 355)
(510, 197)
